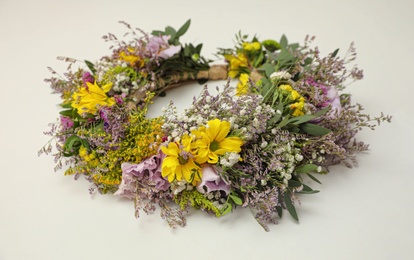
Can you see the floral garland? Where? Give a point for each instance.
(251, 146)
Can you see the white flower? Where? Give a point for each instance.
(298, 157)
(280, 75)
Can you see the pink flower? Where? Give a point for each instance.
(66, 122)
(211, 181)
(159, 47)
(87, 77)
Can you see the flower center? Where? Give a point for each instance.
(182, 160)
(214, 146)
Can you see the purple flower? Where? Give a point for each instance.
(211, 181)
(159, 47)
(171, 51)
(87, 77)
(66, 122)
(330, 96)
(147, 172)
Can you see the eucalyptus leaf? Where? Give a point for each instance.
(308, 192)
(228, 209)
(335, 53)
(283, 42)
(305, 168)
(314, 130)
(183, 29)
(294, 184)
(68, 113)
(290, 207)
(91, 66)
(279, 210)
(313, 178)
(236, 200)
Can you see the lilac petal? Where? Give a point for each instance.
(211, 181)
(167, 53)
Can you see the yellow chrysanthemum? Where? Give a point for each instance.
(133, 60)
(236, 62)
(285, 87)
(252, 46)
(179, 162)
(213, 141)
(87, 99)
(242, 86)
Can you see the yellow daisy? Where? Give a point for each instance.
(179, 162)
(213, 141)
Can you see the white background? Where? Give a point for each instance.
(361, 213)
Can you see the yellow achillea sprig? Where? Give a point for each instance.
(295, 100)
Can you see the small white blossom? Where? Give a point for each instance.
(280, 75)
(298, 157)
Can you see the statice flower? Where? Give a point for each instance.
(247, 113)
(66, 122)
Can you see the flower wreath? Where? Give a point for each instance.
(251, 146)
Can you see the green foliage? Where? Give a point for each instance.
(174, 34)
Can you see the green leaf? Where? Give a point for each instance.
(91, 66)
(307, 190)
(268, 69)
(183, 29)
(170, 31)
(227, 209)
(305, 168)
(313, 178)
(314, 130)
(294, 184)
(279, 210)
(335, 53)
(236, 200)
(258, 60)
(68, 113)
(283, 41)
(284, 122)
(290, 207)
(300, 119)
(277, 116)
(157, 33)
(67, 105)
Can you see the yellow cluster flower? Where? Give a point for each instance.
(242, 86)
(296, 100)
(89, 158)
(133, 60)
(236, 63)
(87, 99)
(251, 46)
(183, 160)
